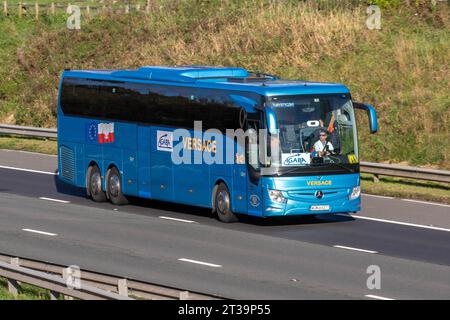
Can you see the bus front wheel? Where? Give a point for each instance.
(223, 204)
(95, 184)
(114, 186)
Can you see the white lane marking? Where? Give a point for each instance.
(40, 232)
(427, 202)
(175, 219)
(402, 223)
(377, 297)
(54, 200)
(375, 196)
(201, 262)
(29, 170)
(409, 200)
(355, 249)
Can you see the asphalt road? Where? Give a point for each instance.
(297, 258)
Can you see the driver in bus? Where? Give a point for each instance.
(323, 146)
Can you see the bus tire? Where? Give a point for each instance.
(94, 184)
(223, 204)
(114, 187)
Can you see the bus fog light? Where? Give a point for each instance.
(356, 192)
(276, 196)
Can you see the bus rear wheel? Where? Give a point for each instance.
(114, 187)
(95, 184)
(223, 204)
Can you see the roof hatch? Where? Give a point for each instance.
(181, 73)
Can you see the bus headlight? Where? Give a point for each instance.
(276, 196)
(356, 192)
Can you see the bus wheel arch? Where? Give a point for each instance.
(94, 183)
(222, 202)
(114, 186)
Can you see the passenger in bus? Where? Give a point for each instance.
(323, 146)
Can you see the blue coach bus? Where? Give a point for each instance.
(118, 133)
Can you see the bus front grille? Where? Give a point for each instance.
(67, 159)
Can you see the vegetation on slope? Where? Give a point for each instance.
(402, 69)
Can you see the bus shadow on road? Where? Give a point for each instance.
(190, 212)
(171, 207)
(296, 220)
(68, 189)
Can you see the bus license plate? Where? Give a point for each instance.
(320, 208)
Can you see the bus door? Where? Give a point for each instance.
(239, 180)
(254, 187)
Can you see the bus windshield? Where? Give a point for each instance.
(316, 133)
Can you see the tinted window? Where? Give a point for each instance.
(152, 104)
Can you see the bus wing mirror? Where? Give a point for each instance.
(248, 104)
(271, 121)
(371, 113)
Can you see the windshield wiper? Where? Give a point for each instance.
(315, 165)
(342, 166)
(287, 171)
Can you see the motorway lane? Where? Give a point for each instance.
(29, 160)
(407, 210)
(390, 239)
(253, 268)
(252, 265)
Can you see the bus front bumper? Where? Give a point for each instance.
(293, 207)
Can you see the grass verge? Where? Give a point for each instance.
(29, 144)
(406, 188)
(26, 292)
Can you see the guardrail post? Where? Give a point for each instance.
(376, 178)
(52, 8)
(54, 295)
(20, 9)
(122, 285)
(13, 285)
(38, 275)
(5, 8)
(184, 295)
